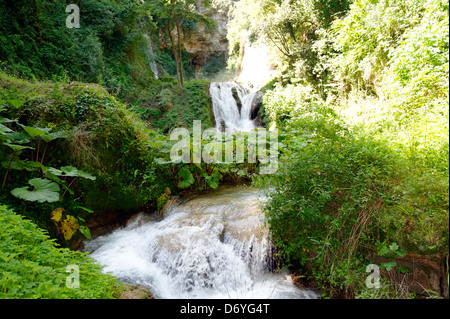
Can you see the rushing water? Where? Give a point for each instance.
(232, 100)
(209, 246)
(225, 106)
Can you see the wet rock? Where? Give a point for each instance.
(142, 218)
(256, 106)
(237, 98)
(103, 223)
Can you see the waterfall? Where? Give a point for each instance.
(232, 105)
(151, 55)
(210, 246)
(232, 101)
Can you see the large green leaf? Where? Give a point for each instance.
(85, 231)
(49, 172)
(15, 103)
(4, 129)
(16, 147)
(5, 120)
(21, 165)
(16, 137)
(36, 131)
(44, 190)
(213, 180)
(187, 177)
(53, 136)
(71, 172)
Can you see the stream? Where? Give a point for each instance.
(211, 245)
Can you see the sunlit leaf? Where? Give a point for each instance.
(85, 231)
(52, 136)
(56, 215)
(21, 165)
(71, 172)
(16, 147)
(69, 226)
(43, 190)
(36, 131)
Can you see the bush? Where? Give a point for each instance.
(181, 110)
(32, 265)
(323, 203)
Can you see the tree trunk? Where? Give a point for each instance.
(177, 23)
(175, 55)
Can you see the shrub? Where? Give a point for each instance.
(32, 265)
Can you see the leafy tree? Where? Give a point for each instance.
(171, 15)
(288, 27)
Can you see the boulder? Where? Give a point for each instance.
(135, 292)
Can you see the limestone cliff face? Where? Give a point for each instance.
(203, 43)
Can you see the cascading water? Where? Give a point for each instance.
(211, 246)
(152, 62)
(232, 105)
(232, 101)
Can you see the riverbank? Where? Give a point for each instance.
(209, 245)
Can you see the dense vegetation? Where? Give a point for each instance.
(33, 266)
(360, 101)
(81, 116)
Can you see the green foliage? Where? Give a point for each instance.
(289, 28)
(168, 63)
(186, 178)
(370, 164)
(43, 190)
(324, 199)
(298, 106)
(214, 65)
(33, 267)
(80, 138)
(380, 34)
(36, 43)
(181, 110)
(174, 19)
(203, 176)
(162, 200)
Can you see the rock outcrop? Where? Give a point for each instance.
(135, 292)
(204, 43)
(256, 106)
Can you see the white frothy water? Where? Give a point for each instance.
(255, 72)
(225, 106)
(212, 246)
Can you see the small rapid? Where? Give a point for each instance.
(209, 246)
